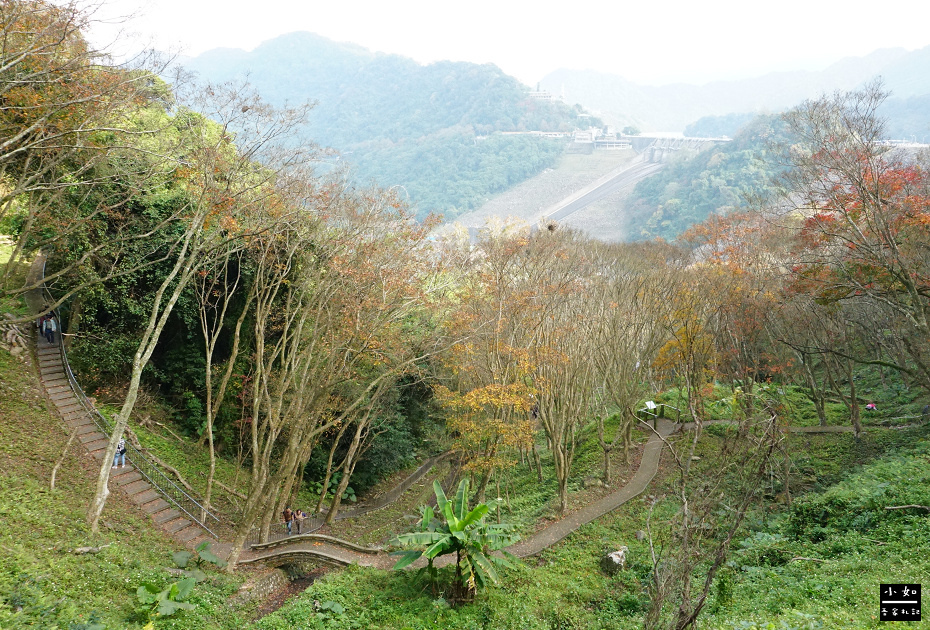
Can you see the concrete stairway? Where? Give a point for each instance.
(79, 416)
(127, 479)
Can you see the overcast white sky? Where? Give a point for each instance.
(647, 41)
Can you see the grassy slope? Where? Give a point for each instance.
(762, 584)
(42, 583)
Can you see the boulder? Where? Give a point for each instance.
(615, 561)
(593, 482)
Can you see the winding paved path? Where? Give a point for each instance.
(310, 548)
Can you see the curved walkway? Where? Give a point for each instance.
(327, 552)
(648, 467)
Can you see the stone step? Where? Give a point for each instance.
(126, 476)
(166, 516)
(85, 427)
(156, 506)
(56, 379)
(140, 485)
(90, 438)
(141, 498)
(82, 420)
(61, 395)
(188, 534)
(68, 405)
(177, 525)
(98, 446)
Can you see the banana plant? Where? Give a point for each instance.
(454, 528)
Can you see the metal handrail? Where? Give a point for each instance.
(171, 491)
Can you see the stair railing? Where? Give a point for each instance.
(160, 482)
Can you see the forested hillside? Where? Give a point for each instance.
(730, 430)
(715, 181)
(430, 129)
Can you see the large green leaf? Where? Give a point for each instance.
(428, 516)
(167, 607)
(147, 593)
(207, 555)
(182, 589)
(441, 499)
(461, 500)
(407, 558)
(484, 567)
(420, 538)
(452, 523)
(181, 558)
(438, 548)
(474, 516)
(506, 559)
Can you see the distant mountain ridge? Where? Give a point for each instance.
(426, 128)
(672, 107)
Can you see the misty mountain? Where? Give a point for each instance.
(428, 128)
(672, 107)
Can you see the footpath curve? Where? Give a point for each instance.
(648, 467)
(550, 535)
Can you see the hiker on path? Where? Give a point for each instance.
(50, 327)
(288, 519)
(120, 455)
(299, 517)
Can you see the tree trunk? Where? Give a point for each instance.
(329, 469)
(74, 323)
(158, 317)
(817, 394)
(854, 415)
(538, 462)
(61, 459)
(483, 486)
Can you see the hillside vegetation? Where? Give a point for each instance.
(287, 340)
(719, 180)
(429, 129)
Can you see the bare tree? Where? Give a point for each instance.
(232, 192)
(335, 297)
(712, 503)
(625, 315)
